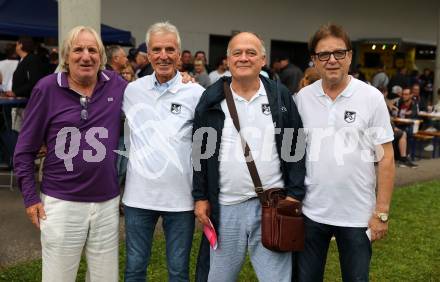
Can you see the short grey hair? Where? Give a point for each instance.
(263, 49)
(71, 37)
(112, 50)
(163, 28)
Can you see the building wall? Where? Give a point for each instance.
(279, 19)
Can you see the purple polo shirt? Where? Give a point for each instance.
(80, 164)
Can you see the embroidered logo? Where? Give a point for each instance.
(175, 108)
(349, 116)
(265, 109)
(110, 99)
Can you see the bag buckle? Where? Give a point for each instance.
(260, 194)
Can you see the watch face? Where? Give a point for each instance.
(383, 217)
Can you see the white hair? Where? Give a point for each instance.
(162, 28)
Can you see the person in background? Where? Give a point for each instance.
(29, 70)
(221, 70)
(290, 75)
(380, 79)
(53, 60)
(201, 55)
(436, 107)
(310, 76)
(427, 84)
(8, 66)
(127, 73)
(76, 114)
(275, 69)
(400, 78)
(400, 142)
(116, 58)
(142, 63)
(406, 106)
(132, 57)
(396, 93)
(357, 73)
(418, 100)
(187, 61)
(200, 74)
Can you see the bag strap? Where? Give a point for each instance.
(247, 151)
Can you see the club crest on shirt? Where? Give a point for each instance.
(265, 109)
(175, 108)
(349, 116)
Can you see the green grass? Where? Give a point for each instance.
(411, 251)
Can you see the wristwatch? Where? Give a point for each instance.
(382, 216)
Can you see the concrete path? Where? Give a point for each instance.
(19, 240)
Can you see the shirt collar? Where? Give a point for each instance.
(347, 92)
(170, 85)
(64, 83)
(260, 92)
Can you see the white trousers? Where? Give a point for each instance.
(71, 227)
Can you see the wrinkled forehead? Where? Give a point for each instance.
(163, 37)
(85, 38)
(330, 43)
(246, 41)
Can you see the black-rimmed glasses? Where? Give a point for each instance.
(83, 101)
(325, 56)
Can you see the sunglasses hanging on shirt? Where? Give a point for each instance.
(84, 103)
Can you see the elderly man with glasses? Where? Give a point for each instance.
(348, 129)
(76, 114)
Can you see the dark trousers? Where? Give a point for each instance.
(354, 252)
(139, 228)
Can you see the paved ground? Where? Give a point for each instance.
(19, 240)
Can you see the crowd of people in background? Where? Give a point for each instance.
(406, 93)
(94, 90)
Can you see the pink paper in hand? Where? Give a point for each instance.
(210, 235)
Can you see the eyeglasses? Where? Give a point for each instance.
(325, 56)
(84, 101)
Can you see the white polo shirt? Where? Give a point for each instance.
(257, 126)
(341, 137)
(160, 118)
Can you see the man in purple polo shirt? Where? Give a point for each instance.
(76, 114)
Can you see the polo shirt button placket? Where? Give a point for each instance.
(332, 114)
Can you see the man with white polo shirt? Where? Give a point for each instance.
(159, 110)
(348, 129)
(223, 189)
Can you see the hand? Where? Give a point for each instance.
(378, 228)
(202, 210)
(9, 94)
(187, 78)
(35, 213)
